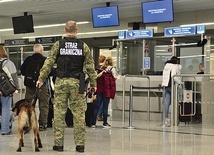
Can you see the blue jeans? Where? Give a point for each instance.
(167, 101)
(100, 112)
(5, 115)
(101, 98)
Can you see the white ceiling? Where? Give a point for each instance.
(59, 11)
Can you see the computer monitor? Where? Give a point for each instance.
(157, 11)
(23, 24)
(107, 16)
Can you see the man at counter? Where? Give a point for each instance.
(201, 68)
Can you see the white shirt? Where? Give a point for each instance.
(174, 69)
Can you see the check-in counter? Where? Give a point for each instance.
(147, 103)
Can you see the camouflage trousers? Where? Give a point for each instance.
(67, 95)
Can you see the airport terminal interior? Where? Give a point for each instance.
(140, 36)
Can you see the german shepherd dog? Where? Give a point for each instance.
(27, 120)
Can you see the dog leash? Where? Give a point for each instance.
(33, 102)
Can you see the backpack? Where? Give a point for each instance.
(7, 86)
(32, 72)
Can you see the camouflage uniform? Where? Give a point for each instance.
(68, 89)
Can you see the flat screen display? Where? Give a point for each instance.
(23, 24)
(105, 16)
(157, 11)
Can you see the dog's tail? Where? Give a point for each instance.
(30, 123)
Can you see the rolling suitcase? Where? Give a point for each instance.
(185, 102)
(184, 111)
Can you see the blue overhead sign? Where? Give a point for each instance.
(16, 42)
(121, 34)
(200, 29)
(146, 33)
(46, 40)
(176, 31)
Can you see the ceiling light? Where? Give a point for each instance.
(196, 24)
(56, 25)
(100, 32)
(85, 22)
(3, 30)
(191, 56)
(3, 1)
(42, 36)
(45, 26)
(84, 33)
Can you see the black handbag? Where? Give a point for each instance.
(7, 86)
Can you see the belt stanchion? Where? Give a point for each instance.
(164, 99)
(124, 92)
(176, 104)
(131, 104)
(130, 108)
(123, 101)
(148, 103)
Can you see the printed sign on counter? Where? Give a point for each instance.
(146, 64)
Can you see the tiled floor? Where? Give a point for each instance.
(149, 138)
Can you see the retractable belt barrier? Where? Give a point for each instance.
(134, 87)
(131, 103)
(123, 99)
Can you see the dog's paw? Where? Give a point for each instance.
(40, 146)
(19, 150)
(37, 149)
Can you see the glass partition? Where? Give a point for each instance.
(15, 55)
(133, 53)
(162, 54)
(209, 56)
(130, 57)
(18, 53)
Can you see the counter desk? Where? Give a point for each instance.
(147, 103)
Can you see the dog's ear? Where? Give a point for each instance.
(13, 109)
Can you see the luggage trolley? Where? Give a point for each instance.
(186, 105)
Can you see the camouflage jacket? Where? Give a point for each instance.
(52, 57)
